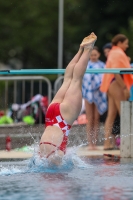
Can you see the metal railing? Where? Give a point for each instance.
(62, 71)
(23, 79)
(31, 79)
(58, 84)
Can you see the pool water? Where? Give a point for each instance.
(77, 178)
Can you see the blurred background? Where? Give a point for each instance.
(29, 29)
(29, 35)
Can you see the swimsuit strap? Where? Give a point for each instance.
(50, 154)
(58, 148)
(48, 143)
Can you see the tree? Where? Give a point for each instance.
(105, 18)
(29, 30)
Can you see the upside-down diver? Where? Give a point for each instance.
(66, 105)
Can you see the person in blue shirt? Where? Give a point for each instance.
(95, 100)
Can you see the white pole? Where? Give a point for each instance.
(126, 147)
(60, 34)
(125, 126)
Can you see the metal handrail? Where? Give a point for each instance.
(29, 78)
(62, 71)
(56, 84)
(23, 79)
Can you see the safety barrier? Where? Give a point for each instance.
(31, 79)
(126, 131)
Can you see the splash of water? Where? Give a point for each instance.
(9, 170)
(69, 162)
(41, 165)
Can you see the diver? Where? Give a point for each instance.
(66, 105)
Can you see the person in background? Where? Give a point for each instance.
(95, 100)
(116, 126)
(106, 49)
(116, 86)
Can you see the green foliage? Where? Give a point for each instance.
(105, 18)
(6, 120)
(29, 29)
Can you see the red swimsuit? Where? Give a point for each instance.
(54, 118)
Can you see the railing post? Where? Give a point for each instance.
(31, 89)
(126, 147)
(6, 94)
(56, 84)
(40, 92)
(15, 91)
(131, 136)
(23, 91)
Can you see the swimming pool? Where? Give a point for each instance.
(77, 178)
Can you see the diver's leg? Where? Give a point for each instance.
(72, 100)
(67, 77)
(71, 105)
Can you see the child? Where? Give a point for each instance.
(95, 100)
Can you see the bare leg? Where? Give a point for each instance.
(112, 112)
(92, 125)
(89, 126)
(72, 88)
(69, 70)
(96, 124)
(72, 63)
(83, 61)
(87, 43)
(71, 105)
(67, 77)
(117, 93)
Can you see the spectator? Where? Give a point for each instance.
(95, 100)
(116, 126)
(106, 49)
(117, 86)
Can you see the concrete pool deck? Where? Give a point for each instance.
(82, 151)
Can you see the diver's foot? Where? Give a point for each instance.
(89, 41)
